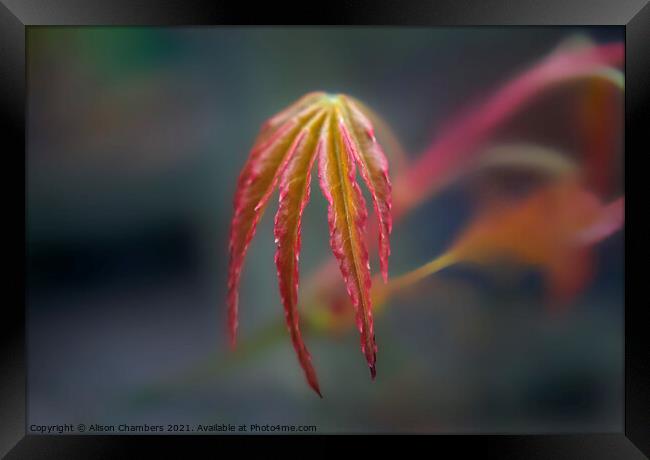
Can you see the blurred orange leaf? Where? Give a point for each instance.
(552, 230)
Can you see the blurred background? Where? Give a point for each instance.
(135, 140)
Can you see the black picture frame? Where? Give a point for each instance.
(17, 15)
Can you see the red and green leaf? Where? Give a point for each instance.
(337, 130)
(257, 181)
(347, 216)
(294, 195)
(363, 145)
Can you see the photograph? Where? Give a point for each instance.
(324, 230)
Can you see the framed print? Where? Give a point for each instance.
(392, 219)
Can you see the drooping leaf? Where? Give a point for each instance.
(294, 195)
(347, 217)
(337, 130)
(363, 145)
(270, 154)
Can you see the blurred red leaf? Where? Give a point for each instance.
(460, 137)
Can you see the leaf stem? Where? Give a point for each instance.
(412, 277)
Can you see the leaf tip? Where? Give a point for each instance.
(312, 380)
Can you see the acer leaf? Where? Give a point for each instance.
(294, 195)
(337, 130)
(257, 181)
(553, 230)
(374, 171)
(347, 218)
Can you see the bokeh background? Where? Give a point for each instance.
(135, 140)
